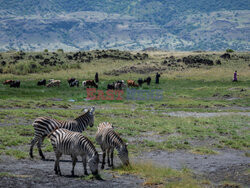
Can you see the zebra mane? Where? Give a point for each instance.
(84, 114)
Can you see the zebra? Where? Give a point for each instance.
(74, 144)
(108, 139)
(44, 125)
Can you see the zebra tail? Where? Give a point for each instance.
(50, 134)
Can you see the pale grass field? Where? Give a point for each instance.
(223, 72)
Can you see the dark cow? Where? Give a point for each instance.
(8, 82)
(89, 83)
(70, 80)
(15, 84)
(74, 83)
(111, 86)
(148, 80)
(140, 82)
(41, 82)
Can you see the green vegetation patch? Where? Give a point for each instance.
(159, 176)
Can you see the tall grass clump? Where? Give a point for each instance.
(159, 176)
(23, 68)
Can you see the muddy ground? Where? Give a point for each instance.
(38, 173)
(229, 165)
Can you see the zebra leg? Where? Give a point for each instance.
(112, 157)
(108, 156)
(103, 158)
(74, 160)
(84, 160)
(57, 167)
(33, 142)
(40, 141)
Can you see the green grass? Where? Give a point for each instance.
(174, 132)
(159, 176)
(18, 154)
(7, 174)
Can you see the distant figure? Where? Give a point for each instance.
(96, 77)
(235, 77)
(157, 78)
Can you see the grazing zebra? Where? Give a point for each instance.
(44, 126)
(108, 139)
(74, 144)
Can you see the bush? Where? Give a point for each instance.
(60, 50)
(229, 50)
(46, 50)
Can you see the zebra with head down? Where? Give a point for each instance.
(43, 126)
(108, 139)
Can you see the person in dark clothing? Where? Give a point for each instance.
(157, 78)
(235, 77)
(96, 77)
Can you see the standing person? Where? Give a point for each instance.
(96, 77)
(235, 77)
(157, 78)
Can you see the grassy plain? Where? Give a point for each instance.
(200, 89)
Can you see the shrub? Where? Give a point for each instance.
(229, 50)
(46, 50)
(60, 50)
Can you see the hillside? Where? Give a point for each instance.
(127, 25)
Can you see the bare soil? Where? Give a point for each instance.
(228, 165)
(38, 173)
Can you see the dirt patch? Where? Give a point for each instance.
(150, 136)
(37, 173)
(216, 168)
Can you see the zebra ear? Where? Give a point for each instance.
(92, 109)
(85, 110)
(126, 144)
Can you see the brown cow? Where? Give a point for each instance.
(89, 83)
(131, 83)
(8, 82)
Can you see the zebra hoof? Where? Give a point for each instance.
(86, 173)
(102, 167)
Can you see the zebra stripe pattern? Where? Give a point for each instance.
(44, 126)
(108, 139)
(74, 144)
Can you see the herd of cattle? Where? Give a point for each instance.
(118, 85)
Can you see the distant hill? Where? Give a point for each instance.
(127, 25)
